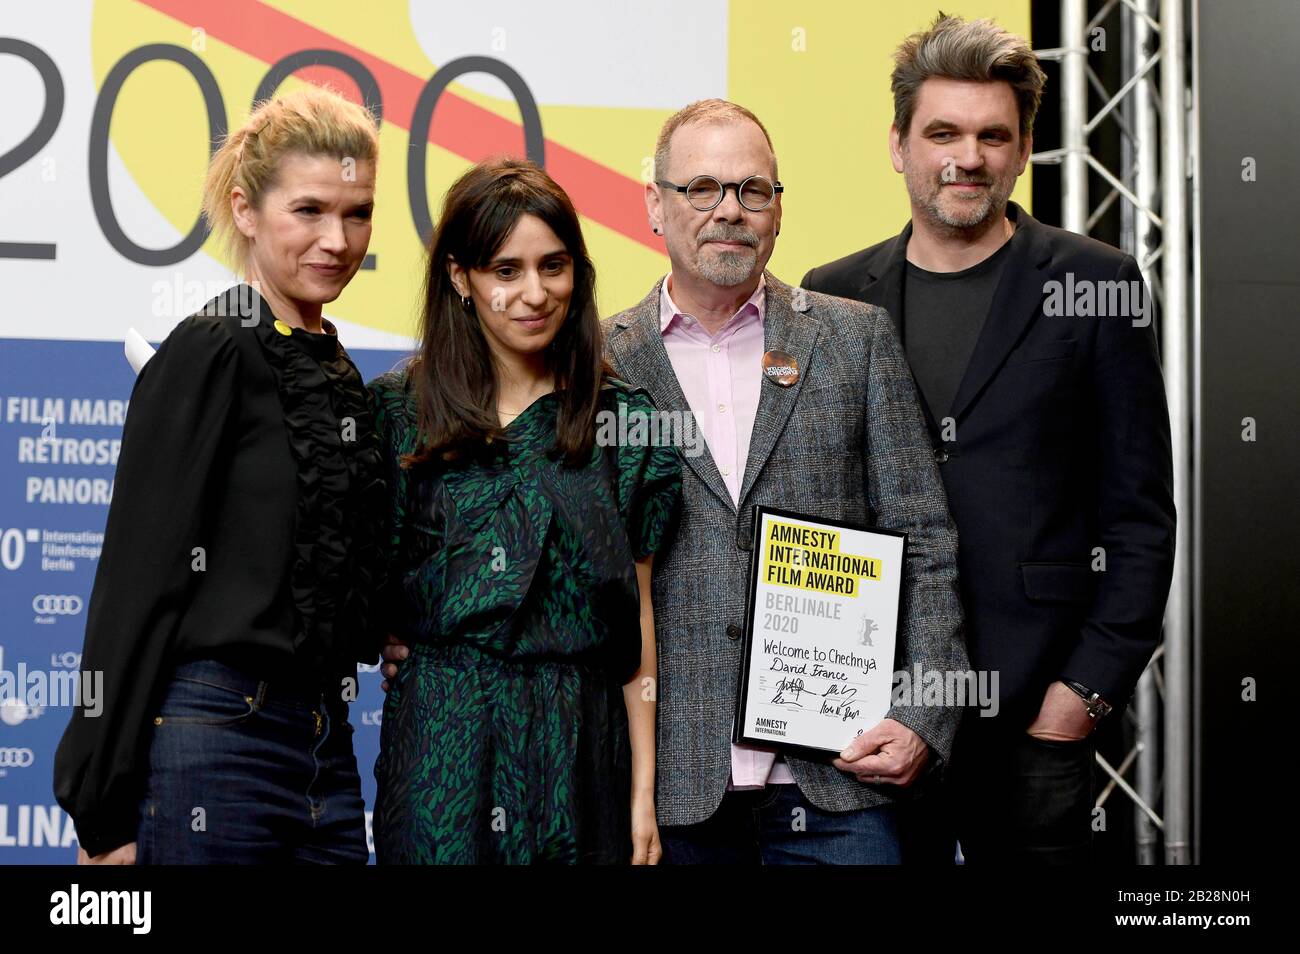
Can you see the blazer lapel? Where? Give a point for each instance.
(1016, 303)
(640, 349)
(886, 291)
(789, 329)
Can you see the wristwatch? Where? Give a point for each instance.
(1095, 704)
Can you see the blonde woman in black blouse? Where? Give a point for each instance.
(230, 605)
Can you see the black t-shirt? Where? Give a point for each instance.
(943, 315)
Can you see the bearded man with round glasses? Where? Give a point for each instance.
(835, 433)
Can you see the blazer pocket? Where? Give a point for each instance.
(1057, 582)
(1048, 351)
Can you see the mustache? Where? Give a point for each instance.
(965, 181)
(727, 233)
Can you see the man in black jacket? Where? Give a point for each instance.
(1034, 352)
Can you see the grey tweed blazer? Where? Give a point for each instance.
(846, 442)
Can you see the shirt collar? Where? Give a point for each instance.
(754, 307)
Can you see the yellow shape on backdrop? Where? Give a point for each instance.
(817, 75)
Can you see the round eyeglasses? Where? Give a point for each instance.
(706, 193)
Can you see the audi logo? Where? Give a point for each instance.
(47, 604)
(16, 758)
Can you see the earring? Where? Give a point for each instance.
(465, 301)
(654, 229)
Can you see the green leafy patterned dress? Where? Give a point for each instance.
(505, 736)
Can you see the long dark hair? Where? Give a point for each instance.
(453, 374)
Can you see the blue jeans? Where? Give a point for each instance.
(244, 772)
(766, 826)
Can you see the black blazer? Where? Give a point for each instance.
(1061, 446)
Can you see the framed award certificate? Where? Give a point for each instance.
(821, 619)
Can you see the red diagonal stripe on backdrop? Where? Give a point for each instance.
(459, 126)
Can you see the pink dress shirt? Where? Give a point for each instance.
(720, 376)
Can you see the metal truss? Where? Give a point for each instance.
(1154, 109)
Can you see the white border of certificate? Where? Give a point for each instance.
(821, 624)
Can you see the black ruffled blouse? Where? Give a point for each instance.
(246, 524)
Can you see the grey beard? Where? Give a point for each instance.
(973, 215)
(925, 192)
(728, 268)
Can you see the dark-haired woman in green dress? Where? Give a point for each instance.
(520, 729)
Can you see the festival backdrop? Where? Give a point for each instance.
(109, 110)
